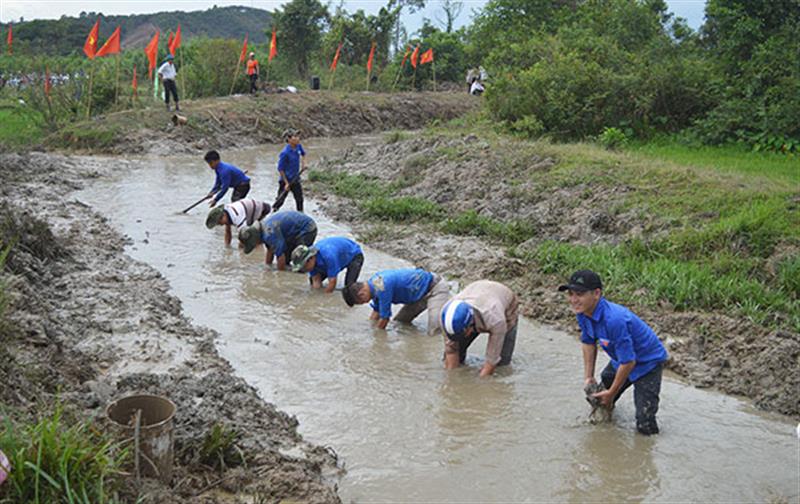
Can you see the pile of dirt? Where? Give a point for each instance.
(709, 349)
(240, 121)
(91, 324)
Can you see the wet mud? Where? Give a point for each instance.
(90, 324)
(709, 349)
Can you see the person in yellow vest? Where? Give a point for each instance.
(252, 72)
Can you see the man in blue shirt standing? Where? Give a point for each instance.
(291, 161)
(227, 176)
(416, 289)
(637, 355)
(326, 259)
(280, 233)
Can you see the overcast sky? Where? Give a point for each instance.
(12, 10)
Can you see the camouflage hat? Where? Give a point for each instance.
(250, 237)
(289, 132)
(214, 216)
(301, 255)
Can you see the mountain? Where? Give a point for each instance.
(66, 35)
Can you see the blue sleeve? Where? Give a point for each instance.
(385, 305)
(280, 243)
(620, 334)
(282, 161)
(301, 150)
(373, 305)
(224, 185)
(216, 182)
(585, 338)
(333, 271)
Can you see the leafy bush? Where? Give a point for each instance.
(613, 138)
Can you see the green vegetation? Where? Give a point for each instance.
(219, 448)
(19, 126)
(60, 459)
(471, 224)
(401, 208)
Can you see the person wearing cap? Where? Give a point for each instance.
(291, 161)
(281, 233)
(416, 289)
(637, 355)
(167, 73)
(482, 307)
(326, 259)
(252, 72)
(227, 176)
(241, 213)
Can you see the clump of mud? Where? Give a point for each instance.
(88, 324)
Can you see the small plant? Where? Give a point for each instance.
(395, 136)
(470, 223)
(613, 138)
(401, 209)
(219, 448)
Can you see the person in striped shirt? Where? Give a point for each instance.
(241, 213)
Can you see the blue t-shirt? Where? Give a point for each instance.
(400, 286)
(289, 161)
(283, 226)
(623, 336)
(227, 176)
(333, 255)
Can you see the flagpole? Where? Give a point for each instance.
(368, 74)
(414, 80)
(183, 76)
(433, 64)
(235, 74)
(116, 88)
(91, 80)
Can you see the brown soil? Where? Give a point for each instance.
(708, 349)
(91, 324)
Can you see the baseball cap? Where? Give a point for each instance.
(301, 255)
(582, 281)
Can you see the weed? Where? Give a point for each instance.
(470, 223)
(789, 276)
(395, 136)
(219, 448)
(403, 208)
(418, 162)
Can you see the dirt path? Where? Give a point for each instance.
(92, 324)
(461, 173)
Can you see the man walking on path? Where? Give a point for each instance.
(280, 233)
(326, 259)
(244, 212)
(252, 72)
(483, 306)
(637, 355)
(227, 176)
(416, 289)
(167, 73)
(291, 162)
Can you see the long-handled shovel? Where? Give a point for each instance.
(200, 201)
(287, 188)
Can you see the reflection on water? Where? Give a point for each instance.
(406, 429)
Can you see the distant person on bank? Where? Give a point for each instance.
(241, 213)
(482, 307)
(281, 233)
(291, 161)
(253, 72)
(637, 355)
(326, 259)
(167, 73)
(416, 289)
(227, 176)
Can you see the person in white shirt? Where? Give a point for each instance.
(167, 73)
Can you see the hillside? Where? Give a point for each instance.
(67, 35)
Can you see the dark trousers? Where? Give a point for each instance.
(645, 396)
(240, 191)
(170, 87)
(306, 239)
(509, 342)
(297, 191)
(353, 270)
(253, 81)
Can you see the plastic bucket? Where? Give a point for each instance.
(156, 437)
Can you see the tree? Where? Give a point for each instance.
(299, 29)
(413, 6)
(451, 9)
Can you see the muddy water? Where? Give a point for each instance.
(407, 430)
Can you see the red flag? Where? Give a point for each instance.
(176, 41)
(90, 46)
(134, 83)
(414, 56)
(243, 55)
(10, 38)
(152, 51)
(47, 81)
(405, 57)
(371, 56)
(427, 57)
(273, 46)
(336, 57)
(111, 46)
(169, 43)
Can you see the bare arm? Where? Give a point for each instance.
(228, 236)
(316, 281)
(269, 256)
(607, 396)
(589, 359)
(331, 285)
(382, 323)
(282, 263)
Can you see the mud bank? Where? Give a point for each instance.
(89, 324)
(466, 172)
(240, 121)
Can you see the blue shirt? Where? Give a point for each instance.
(333, 255)
(400, 286)
(289, 161)
(227, 176)
(623, 336)
(283, 226)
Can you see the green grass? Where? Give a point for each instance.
(219, 447)
(403, 208)
(58, 460)
(18, 127)
(469, 223)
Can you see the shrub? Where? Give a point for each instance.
(613, 138)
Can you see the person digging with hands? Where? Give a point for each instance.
(326, 259)
(280, 233)
(242, 213)
(637, 355)
(227, 176)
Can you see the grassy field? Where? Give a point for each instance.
(18, 127)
